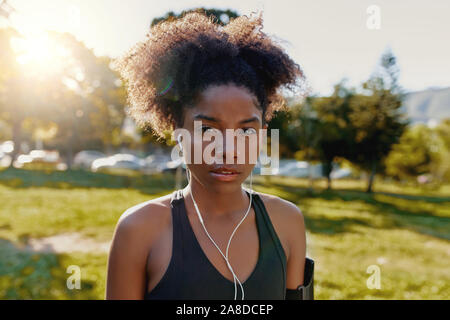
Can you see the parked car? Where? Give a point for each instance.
(341, 173)
(5, 159)
(293, 168)
(155, 163)
(172, 166)
(84, 159)
(118, 163)
(40, 159)
(299, 169)
(7, 146)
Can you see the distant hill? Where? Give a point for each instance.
(431, 105)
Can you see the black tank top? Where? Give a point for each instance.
(191, 276)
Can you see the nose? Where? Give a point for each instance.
(227, 149)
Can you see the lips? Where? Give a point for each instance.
(224, 174)
(225, 170)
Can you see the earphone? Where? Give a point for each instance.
(235, 278)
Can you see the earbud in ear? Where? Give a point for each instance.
(179, 142)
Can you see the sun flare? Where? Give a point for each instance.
(38, 51)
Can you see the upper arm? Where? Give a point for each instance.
(126, 276)
(290, 226)
(297, 247)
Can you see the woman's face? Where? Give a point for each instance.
(220, 108)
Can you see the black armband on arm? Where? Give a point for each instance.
(306, 290)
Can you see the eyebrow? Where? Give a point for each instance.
(212, 119)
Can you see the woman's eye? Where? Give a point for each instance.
(205, 128)
(249, 131)
(245, 131)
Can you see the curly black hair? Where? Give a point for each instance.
(180, 58)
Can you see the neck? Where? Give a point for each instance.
(216, 204)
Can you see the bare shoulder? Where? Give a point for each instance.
(287, 219)
(145, 220)
(280, 208)
(152, 209)
(134, 235)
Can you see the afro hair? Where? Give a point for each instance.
(178, 59)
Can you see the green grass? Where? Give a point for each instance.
(403, 229)
(27, 275)
(38, 204)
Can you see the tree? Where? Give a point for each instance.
(421, 150)
(377, 119)
(320, 128)
(333, 133)
(317, 129)
(221, 17)
(90, 107)
(442, 133)
(74, 91)
(15, 93)
(288, 137)
(413, 155)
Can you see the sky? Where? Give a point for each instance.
(329, 39)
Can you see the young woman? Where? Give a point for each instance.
(179, 246)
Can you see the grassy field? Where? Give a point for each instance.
(402, 229)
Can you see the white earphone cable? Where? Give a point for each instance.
(235, 278)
